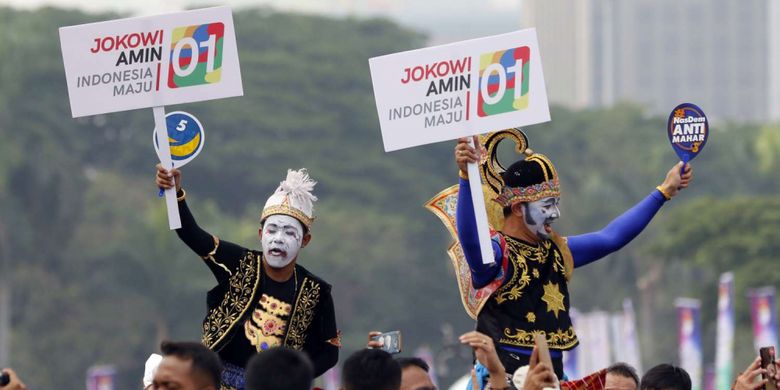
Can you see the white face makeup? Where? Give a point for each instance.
(539, 215)
(282, 237)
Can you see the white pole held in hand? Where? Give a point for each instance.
(478, 200)
(161, 129)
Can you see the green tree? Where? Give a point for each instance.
(97, 277)
(768, 149)
(703, 239)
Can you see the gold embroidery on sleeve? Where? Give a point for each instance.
(211, 254)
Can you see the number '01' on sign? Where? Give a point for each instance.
(502, 81)
(465, 88)
(154, 61)
(191, 44)
(151, 61)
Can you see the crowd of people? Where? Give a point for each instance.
(193, 366)
(270, 323)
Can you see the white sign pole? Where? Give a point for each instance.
(148, 61)
(478, 201)
(461, 89)
(442, 93)
(174, 221)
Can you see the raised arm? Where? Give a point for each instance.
(586, 248)
(222, 257)
(466, 223)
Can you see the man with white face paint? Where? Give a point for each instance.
(524, 291)
(263, 299)
(282, 237)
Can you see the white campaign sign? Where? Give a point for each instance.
(144, 62)
(466, 88)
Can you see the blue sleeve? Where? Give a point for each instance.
(466, 224)
(586, 248)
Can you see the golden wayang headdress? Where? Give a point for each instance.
(529, 179)
(293, 197)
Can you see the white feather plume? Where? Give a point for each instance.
(297, 187)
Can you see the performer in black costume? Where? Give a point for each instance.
(263, 299)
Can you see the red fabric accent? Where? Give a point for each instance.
(593, 381)
(336, 341)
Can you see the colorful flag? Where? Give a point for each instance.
(633, 354)
(709, 377)
(330, 379)
(762, 312)
(616, 336)
(724, 348)
(594, 342)
(689, 337)
(602, 354)
(101, 378)
(625, 339)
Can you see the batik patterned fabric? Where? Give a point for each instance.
(304, 302)
(232, 377)
(532, 193)
(268, 324)
(443, 205)
(534, 298)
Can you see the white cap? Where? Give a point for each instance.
(293, 198)
(150, 368)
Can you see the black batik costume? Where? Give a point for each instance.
(248, 312)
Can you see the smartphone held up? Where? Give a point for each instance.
(391, 341)
(768, 363)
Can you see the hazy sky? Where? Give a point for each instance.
(444, 20)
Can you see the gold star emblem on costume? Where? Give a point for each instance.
(536, 273)
(531, 317)
(553, 298)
